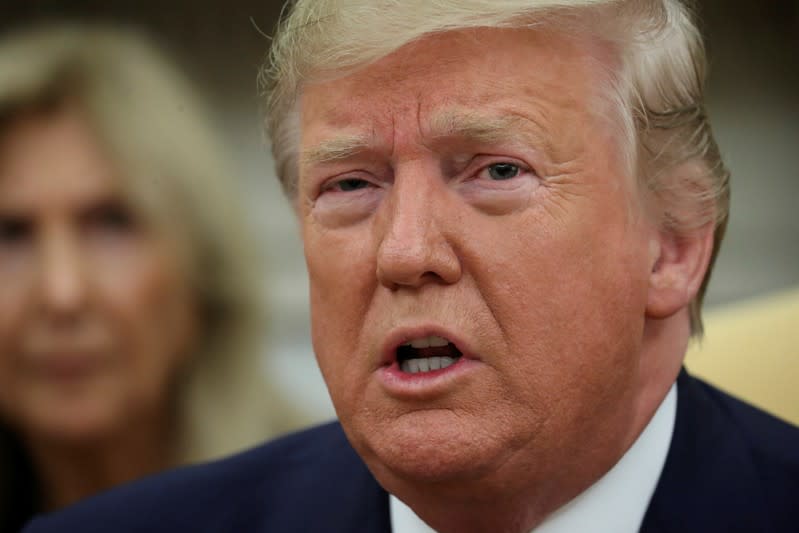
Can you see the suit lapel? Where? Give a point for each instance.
(709, 482)
(349, 498)
(373, 512)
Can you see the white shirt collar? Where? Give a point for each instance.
(615, 503)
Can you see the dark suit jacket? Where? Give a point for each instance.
(730, 468)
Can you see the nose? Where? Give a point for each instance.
(413, 248)
(62, 276)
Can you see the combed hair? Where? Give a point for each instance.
(171, 170)
(656, 84)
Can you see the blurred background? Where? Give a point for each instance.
(753, 99)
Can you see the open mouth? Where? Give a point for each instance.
(427, 354)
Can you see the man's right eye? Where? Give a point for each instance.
(350, 184)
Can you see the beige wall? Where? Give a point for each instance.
(752, 348)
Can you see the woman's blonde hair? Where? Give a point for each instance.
(656, 84)
(171, 168)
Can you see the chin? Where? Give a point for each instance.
(430, 447)
(77, 427)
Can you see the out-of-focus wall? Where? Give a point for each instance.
(753, 97)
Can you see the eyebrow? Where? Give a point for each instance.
(448, 124)
(335, 149)
(487, 129)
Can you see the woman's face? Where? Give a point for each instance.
(95, 316)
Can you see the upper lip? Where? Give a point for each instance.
(399, 336)
(64, 356)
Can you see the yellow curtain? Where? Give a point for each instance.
(751, 349)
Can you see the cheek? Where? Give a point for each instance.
(149, 311)
(569, 294)
(9, 380)
(342, 280)
(341, 269)
(17, 275)
(16, 302)
(133, 292)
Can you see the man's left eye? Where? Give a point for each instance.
(503, 171)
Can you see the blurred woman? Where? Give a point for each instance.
(130, 312)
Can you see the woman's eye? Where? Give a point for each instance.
(111, 217)
(14, 230)
(503, 171)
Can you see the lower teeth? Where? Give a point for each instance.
(426, 364)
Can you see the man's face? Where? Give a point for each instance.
(467, 193)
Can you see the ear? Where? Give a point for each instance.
(678, 266)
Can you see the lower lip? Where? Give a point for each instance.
(424, 384)
(68, 369)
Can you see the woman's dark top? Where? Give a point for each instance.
(19, 499)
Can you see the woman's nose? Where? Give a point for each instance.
(62, 273)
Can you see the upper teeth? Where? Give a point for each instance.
(427, 342)
(426, 364)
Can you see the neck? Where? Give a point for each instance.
(69, 472)
(664, 345)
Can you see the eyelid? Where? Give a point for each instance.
(329, 184)
(482, 161)
(15, 226)
(111, 214)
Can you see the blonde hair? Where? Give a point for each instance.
(172, 169)
(657, 84)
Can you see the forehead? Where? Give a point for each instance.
(544, 76)
(49, 157)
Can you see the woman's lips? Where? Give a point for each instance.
(66, 366)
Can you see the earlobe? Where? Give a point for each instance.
(678, 266)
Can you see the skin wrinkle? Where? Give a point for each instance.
(498, 129)
(393, 129)
(455, 124)
(419, 120)
(336, 116)
(557, 209)
(601, 53)
(446, 123)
